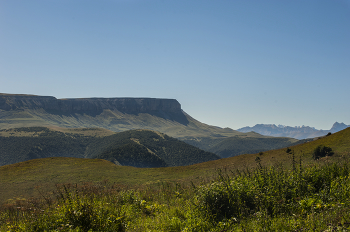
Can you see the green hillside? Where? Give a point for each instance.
(283, 190)
(133, 154)
(40, 142)
(30, 178)
(172, 151)
(139, 148)
(21, 179)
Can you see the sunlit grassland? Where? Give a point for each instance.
(28, 178)
(233, 194)
(25, 179)
(315, 198)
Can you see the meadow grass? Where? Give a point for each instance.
(306, 198)
(280, 191)
(25, 179)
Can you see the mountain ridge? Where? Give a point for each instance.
(116, 114)
(297, 132)
(123, 114)
(166, 108)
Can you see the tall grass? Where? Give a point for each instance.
(313, 198)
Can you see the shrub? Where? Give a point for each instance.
(227, 198)
(78, 212)
(322, 151)
(288, 150)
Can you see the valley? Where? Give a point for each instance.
(122, 114)
(146, 165)
(20, 179)
(123, 198)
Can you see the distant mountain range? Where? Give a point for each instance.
(302, 132)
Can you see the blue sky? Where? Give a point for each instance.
(230, 63)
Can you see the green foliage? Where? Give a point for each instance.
(257, 159)
(288, 150)
(322, 151)
(264, 199)
(273, 192)
(75, 211)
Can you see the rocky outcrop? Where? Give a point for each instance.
(13, 102)
(338, 127)
(165, 108)
(128, 105)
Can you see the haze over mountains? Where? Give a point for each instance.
(301, 132)
(123, 114)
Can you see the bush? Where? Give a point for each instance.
(226, 198)
(322, 151)
(75, 211)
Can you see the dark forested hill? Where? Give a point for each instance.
(172, 151)
(43, 143)
(139, 148)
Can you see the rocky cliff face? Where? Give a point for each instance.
(165, 108)
(127, 105)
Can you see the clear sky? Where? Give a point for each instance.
(230, 63)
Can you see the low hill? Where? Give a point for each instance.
(40, 142)
(240, 144)
(124, 145)
(139, 148)
(21, 179)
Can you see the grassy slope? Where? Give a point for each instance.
(27, 143)
(22, 178)
(111, 120)
(250, 142)
(27, 178)
(203, 136)
(98, 132)
(238, 145)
